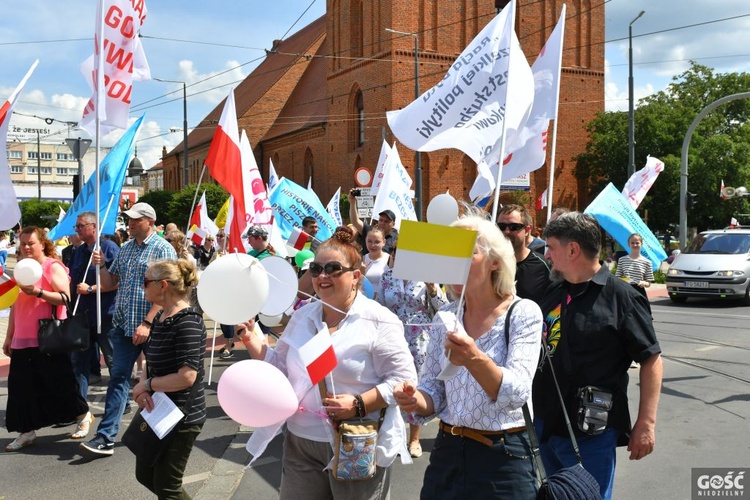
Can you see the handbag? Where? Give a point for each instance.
(570, 483)
(57, 336)
(143, 442)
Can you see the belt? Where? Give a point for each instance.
(476, 434)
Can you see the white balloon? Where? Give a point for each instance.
(282, 285)
(27, 272)
(443, 209)
(233, 288)
(271, 321)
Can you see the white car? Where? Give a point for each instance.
(715, 265)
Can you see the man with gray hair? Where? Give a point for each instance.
(595, 325)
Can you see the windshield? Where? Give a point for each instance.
(726, 243)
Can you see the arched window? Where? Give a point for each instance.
(309, 165)
(360, 119)
(356, 124)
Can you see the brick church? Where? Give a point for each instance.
(316, 105)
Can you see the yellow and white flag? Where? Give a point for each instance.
(434, 253)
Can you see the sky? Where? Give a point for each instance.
(213, 45)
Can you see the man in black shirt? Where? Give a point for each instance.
(595, 325)
(532, 271)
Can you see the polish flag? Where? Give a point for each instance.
(721, 191)
(197, 234)
(318, 356)
(195, 219)
(224, 163)
(541, 202)
(298, 239)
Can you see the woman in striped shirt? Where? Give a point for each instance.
(635, 268)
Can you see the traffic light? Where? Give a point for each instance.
(690, 200)
(75, 186)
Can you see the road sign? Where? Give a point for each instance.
(363, 177)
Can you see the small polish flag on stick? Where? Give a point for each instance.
(298, 239)
(318, 356)
(197, 234)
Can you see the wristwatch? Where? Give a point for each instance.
(90, 290)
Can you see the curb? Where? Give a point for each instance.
(227, 474)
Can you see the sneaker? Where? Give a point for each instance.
(128, 409)
(226, 354)
(99, 446)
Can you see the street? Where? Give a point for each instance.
(702, 412)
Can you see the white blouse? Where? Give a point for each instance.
(374, 269)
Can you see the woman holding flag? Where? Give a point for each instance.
(371, 357)
(482, 438)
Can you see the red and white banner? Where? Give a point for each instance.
(298, 239)
(541, 202)
(118, 60)
(10, 213)
(318, 356)
(721, 191)
(640, 182)
(196, 235)
(200, 217)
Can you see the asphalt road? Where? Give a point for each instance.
(702, 422)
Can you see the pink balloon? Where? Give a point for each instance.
(256, 394)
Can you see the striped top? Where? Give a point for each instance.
(635, 269)
(179, 341)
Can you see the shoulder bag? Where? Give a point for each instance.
(57, 336)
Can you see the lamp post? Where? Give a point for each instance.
(184, 128)
(417, 157)
(631, 111)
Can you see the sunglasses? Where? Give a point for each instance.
(333, 269)
(146, 282)
(513, 226)
(81, 226)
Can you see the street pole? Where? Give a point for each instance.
(184, 129)
(631, 109)
(417, 155)
(39, 165)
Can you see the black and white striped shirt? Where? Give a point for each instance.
(635, 269)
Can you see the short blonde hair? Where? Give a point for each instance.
(492, 242)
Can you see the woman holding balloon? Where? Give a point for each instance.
(42, 389)
(372, 358)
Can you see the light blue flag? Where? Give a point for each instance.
(616, 216)
(291, 203)
(333, 208)
(112, 172)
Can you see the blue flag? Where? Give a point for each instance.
(291, 203)
(112, 172)
(616, 216)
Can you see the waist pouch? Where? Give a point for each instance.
(594, 404)
(355, 450)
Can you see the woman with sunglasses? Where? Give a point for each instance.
(372, 358)
(482, 437)
(174, 358)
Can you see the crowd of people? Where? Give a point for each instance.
(530, 305)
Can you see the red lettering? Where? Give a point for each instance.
(138, 6)
(117, 56)
(114, 19)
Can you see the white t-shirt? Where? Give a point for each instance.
(374, 269)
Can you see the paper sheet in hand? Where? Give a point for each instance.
(164, 416)
(451, 323)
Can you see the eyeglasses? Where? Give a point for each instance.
(146, 282)
(219, 235)
(513, 226)
(333, 269)
(81, 226)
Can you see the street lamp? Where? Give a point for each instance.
(184, 128)
(631, 113)
(418, 159)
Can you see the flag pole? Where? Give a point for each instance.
(195, 197)
(554, 125)
(211, 363)
(91, 257)
(100, 88)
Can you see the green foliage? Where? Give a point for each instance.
(719, 148)
(160, 201)
(41, 213)
(179, 209)
(660, 277)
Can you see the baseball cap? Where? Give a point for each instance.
(141, 210)
(257, 231)
(389, 214)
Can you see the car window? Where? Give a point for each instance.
(720, 244)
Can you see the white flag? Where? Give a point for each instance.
(121, 62)
(641, 181)
(395, 193)
(273, 177)
(61, 215)
(385, 151)
(257, 207)
(333, 208)
(490, 83)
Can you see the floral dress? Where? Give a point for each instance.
(410, 302)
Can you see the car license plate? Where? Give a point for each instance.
(696, 284)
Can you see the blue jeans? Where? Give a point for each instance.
(82, 361)
(597, 452)
(118, 390)
(3, 258)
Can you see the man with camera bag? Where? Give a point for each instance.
(595, 325)
(386, 223)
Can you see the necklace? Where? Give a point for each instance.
(171, 310)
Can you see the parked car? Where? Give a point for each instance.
(715, 265)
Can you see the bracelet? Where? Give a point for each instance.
(148, 384)
(147, 323)
(359, 406)
(245, 341)
(41, 292)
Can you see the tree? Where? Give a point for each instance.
(181, 203)
(41, 213)
(719, 149)
(159, 200)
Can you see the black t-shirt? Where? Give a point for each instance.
(532, 277)
(180, 341)
(390, 239)
(593, 331)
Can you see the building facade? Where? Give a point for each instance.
(316, 106)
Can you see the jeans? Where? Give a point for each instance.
(597, 452)
(82, 360)
(118, 390)
(164, 479)
(3, 258)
